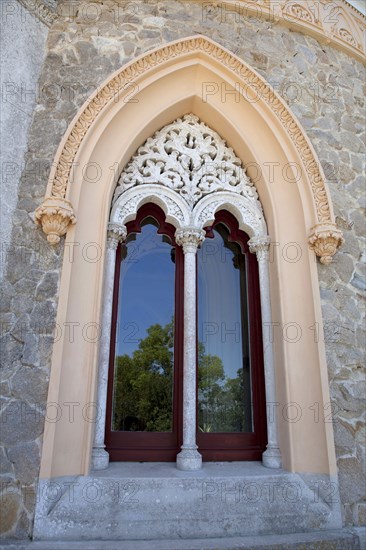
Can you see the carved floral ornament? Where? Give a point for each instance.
(55, 214)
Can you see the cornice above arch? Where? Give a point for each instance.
(117, 88)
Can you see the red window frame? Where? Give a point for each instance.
(149, 446)
(152, 446)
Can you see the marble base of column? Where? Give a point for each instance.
(189, 460)
(271, 458)
(100, 458)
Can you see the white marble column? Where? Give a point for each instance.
(116, 233)
(189, 458)
(272, 455)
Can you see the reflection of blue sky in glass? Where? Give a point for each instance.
(219, 315)
(146, 291)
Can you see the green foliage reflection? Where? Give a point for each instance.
(143, 388)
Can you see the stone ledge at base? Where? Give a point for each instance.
(156, 501)
(342, 539)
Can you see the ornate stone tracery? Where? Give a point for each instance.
(188, 170)
(190, 158)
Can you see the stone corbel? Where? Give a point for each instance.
(55, 215)
(325, 239)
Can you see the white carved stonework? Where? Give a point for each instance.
(260, 246)
(247, 210)
(126, 204)
(190, 238)
(115, 233)
(190, 158)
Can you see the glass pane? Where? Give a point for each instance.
(224, 385)
(144, 362)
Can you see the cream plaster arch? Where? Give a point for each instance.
(168, 84)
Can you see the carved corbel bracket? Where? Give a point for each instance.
(55, 215)
(325, 239)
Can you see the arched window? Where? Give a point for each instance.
(231, 397)
(193, 371)
(145, 394)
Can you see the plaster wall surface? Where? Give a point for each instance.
(324, 88)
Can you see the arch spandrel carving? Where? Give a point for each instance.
(198, 47)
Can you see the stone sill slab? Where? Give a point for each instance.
(342, 539)
(156, 501)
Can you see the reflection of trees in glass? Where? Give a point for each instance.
(143, 388)
(143, 384)
(220, 398)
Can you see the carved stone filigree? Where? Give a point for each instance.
(125, 204)
(260, 247)
(325, 240)
(190, 158)
(347, 36)
(190, 238)
(116, 233)
(247, 210)
(297, 12)
(55, 215)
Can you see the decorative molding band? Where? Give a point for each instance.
(40, 10)
(333, 22)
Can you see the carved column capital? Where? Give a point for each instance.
(190, 238)
(325, 241)
(260, 246)
(55, 215)
(116, 233)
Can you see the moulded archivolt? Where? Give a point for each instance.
(247, 211)
(116, 87)
(126, 204)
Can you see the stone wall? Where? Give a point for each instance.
(325, 90)
(22, 45)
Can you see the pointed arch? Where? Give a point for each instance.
(193, 75)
